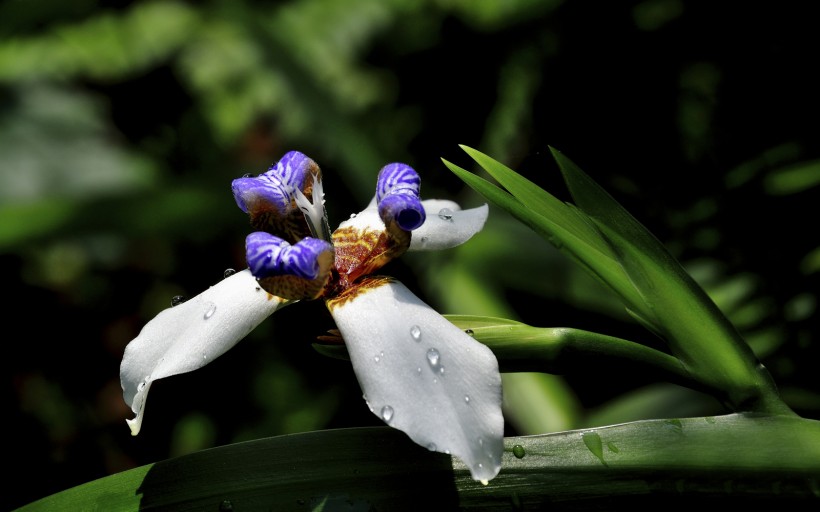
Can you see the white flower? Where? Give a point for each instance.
(419, 373)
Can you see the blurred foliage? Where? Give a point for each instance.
(121, 126)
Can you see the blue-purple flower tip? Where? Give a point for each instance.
(397, 195)
(269, 255)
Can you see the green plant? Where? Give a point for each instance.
(759, 450)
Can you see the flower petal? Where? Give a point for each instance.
(189, 336)
(447, 225)
(397, 195)
(423, 375)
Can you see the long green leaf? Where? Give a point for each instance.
(742, 458)
(690, 322)
(605, 269)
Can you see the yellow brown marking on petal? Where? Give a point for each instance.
(350, 293)
(361, 252)
(291, 227)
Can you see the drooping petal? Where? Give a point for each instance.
(447, 225)
(189, 336)
(423, 375)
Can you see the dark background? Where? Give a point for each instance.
(122, 125)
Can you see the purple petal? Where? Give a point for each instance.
(269, 255)
(397, 195)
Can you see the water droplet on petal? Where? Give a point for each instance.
(415, 332)
(518, 451)
(353, 215)
(431, 447)
(467, 399)
(376, 358)
(141, 386)
(445, 214)
(387, 413)
(229, 272)
(480, 442)
(246, 175)
(441, 370)
(469, 332)
(418, 370)
(433, 357)
(210, 311)
(176, 300)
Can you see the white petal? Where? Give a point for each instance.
(423, 375)
(189, 336)
(447, 225)
(366, 220)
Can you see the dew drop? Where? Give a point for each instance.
(441, 370)
(518, 451)
(387, 413)
(229, 272)
(431, 447)
(418, 370)
(210, 311)
(433, 357)
(376, 358)
(593, 443)
(469, 332)
(466, 399)
(246, 175)
(415, 332)
(141, 386)
(445, 214)
(176, 300)
(353, 215)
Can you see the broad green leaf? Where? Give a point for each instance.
(644, 463)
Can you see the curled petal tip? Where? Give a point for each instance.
(397, 196)
(269, 255)
(405, 209)
(275, 189)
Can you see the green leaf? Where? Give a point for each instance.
(584, 252)
(607, 241)
(695, 329)
(772, 458)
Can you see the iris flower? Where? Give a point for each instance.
(419, 373)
